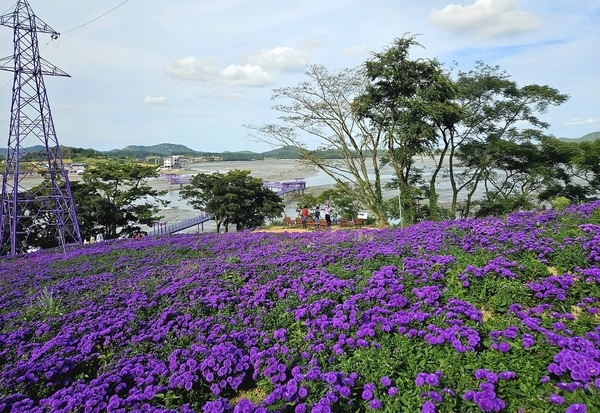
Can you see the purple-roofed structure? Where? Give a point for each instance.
(298, 185)
(33, 214)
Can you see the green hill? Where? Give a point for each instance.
(589, 137)
(164, 149)
(286, 152)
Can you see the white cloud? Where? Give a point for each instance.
(281, 58)
(246, 75)
(192, 68)
(260, 68)
(583, 121)
(356, 51)
(156, 101)
(485, 18)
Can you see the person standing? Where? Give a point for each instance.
(328, 215)
(304, 216)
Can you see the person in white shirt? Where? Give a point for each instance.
(328, 215)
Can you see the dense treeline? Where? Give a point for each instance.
(142, 153)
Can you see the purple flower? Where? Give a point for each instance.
(556, 399)
(432, 380)
(375, 404)
(244, 405)
(386, 381)
(491, 377)
(507, 375)
(420, 380)
(428, 407)
(392, 391)
(576, 408)
(528, 341)
(480, 373)
(435, 396)
(300, 408)
(345, 391)
(303, 392)
(486, 404)
(367, 394)
(431, 339)
(330, 377)
(469, 395)
(449, 391)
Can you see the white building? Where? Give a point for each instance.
(172, 162)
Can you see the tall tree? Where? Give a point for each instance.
(320, 111)
(234, 198)
(114, 198)
(495, 110)
(516, 173)
(411, 101)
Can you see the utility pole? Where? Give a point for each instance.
(37, 207)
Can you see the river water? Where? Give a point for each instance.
(286, 170)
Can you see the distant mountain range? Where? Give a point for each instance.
(589, 137)
(167, 149)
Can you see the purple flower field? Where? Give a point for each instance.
(491, 315)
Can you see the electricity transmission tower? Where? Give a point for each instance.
(37, 204)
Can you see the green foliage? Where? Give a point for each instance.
(115, 199)
(560, 203)
(497, 145)
(494, 204)
(233, 198)
(44, 306)
(308, 200)
(342, 205)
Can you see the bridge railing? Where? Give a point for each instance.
(163, 228)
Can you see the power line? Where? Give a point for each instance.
(75, 28)
(93, 20)
(9, 9)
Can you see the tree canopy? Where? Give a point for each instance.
(115, 199)
(234, 198)
(484, 131)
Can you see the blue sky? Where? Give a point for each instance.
(193, 72)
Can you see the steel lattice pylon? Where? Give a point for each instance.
(33, 213)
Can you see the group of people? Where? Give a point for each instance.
(305, 215)
(97, 238)
(100, 238)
